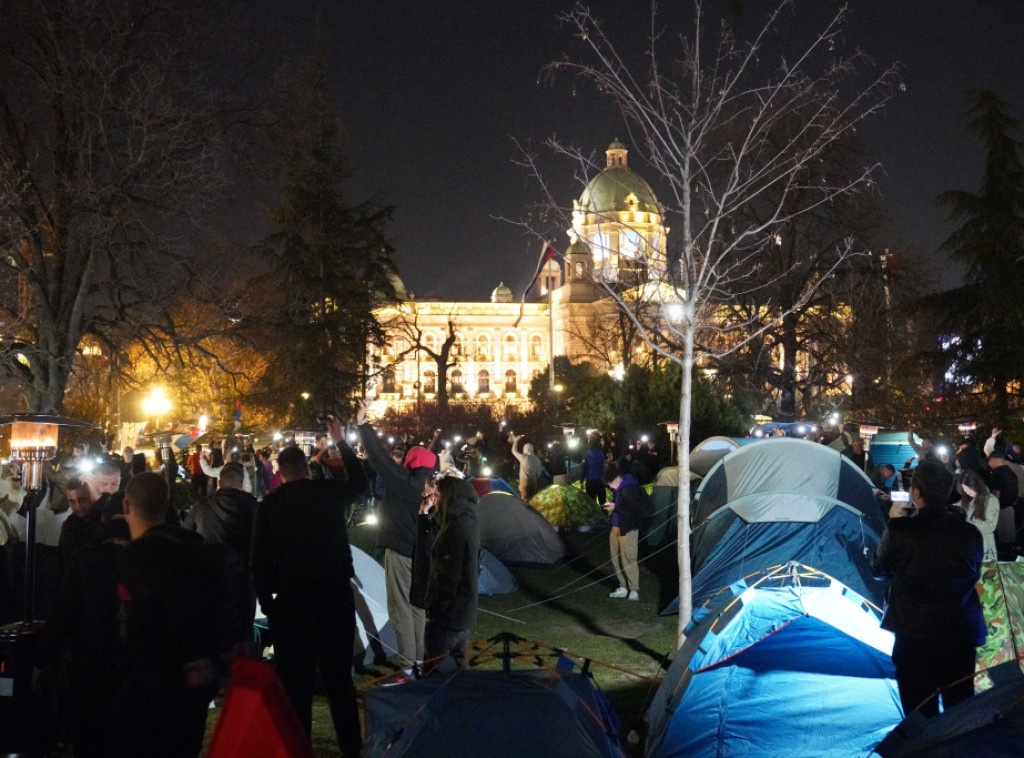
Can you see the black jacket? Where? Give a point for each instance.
(403, 492)
(300, 545)
(934, 561)
(454, 564)
(226, 518)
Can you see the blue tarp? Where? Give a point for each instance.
(794, 670)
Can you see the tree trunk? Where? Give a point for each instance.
(787, 402)
(683, 511)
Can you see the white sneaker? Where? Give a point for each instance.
(634, 595)
(620, 592)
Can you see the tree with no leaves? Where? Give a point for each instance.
(110, 154)
(728, 125)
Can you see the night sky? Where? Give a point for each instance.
(433, 95)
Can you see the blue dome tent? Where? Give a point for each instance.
(790, 662)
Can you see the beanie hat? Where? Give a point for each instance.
(419, 457)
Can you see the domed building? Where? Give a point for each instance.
(617, 236)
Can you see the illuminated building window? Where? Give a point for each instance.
(457, 381)
(510, 381)
(430, 382)
(483, 347)
(388, 382)
(536, 347)
(510, 350)
(483, 381)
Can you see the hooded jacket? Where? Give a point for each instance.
(403, 491)
(454, 563)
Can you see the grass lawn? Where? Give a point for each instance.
(568, 608)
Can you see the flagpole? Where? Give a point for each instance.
(551, 340)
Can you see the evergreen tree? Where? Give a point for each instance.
(331, 263)
(981, 320)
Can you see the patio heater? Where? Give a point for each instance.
(33, 444)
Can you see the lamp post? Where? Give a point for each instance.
(156, 405)
(22, 728)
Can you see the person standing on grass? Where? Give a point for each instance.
(626, 513)
(302, 570)
(454, 568)
(933, 559)
(396, 533)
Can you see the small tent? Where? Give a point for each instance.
(562, 505)
(516, 533)
(771, 529)
(710, 451)
(790, 662)
(660, 526)
(484, 486)
(990, 724)
(548, 710)
(375, 636)
(781, 464)
(495, 578)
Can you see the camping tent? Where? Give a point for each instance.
(781, 464)
(495, 578)
(516, 533)
(1002, 599)
(660, 527)
(375, 636)
(483, 486)
(771, 529)
(990, 724)
(562, 505)
(792, 663)
(892, 448)
(552, 711)
(710, 451)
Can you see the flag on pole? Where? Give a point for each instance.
(546, 255)
(238, 414)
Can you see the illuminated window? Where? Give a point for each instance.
(483, 381)
(388, 382)
(430, 342)
(510, 381)
(457, 381)
(511, 348)
(430, 382)
(483, 347)
(536, 347)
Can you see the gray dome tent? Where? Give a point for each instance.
(516, 533)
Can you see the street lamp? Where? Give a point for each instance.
(33, 443)
(157, 404)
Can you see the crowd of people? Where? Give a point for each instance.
(156, 601)
(153, 601)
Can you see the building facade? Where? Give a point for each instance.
(617, 236)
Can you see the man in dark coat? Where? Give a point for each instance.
(302, 568)
(226, 518)
(934, 560)
(84, 624)
(181, 606)
(396, 533)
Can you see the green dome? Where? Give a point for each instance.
(399, 286)
(618, 188)
(578, 247)
(501, 294)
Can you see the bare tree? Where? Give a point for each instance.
(110, 154)
(405, 322)
(727, 125)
